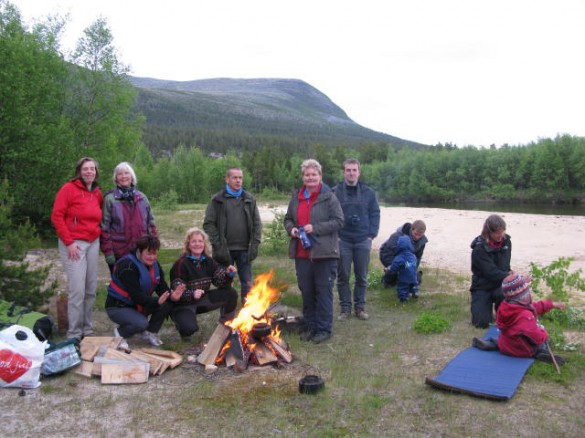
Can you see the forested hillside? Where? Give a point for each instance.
(246, 114)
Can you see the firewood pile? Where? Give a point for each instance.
(253, 336)
(103, 357)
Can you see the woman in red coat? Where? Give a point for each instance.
(76, 216)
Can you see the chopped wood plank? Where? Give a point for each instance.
(230, 359)
(263, 354)
(124, 372)
(120, 355)
(155, 364)
(281, 350)
(172, 358)
(84, 369)
(108, 341)
(209, 354)
(88, 351)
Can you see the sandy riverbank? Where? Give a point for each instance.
(535, 238)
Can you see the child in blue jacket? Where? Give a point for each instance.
(404, 264)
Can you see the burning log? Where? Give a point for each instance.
(214, 346)
(262, 354)
(249, 337)
(281, 348)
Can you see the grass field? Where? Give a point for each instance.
(374, 373)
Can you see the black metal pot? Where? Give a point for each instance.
(311, 384)
(261, 330)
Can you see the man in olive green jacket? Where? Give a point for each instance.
(232, 221)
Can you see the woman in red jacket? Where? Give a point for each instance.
(76, 216)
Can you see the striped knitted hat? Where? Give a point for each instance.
(516, 287)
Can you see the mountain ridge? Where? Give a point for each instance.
(263, 108)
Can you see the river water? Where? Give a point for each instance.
(547, 209)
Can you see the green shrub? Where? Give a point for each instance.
(275, 238)
(430, 322)
(168, 200)
(557, 279)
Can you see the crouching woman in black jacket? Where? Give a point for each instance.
(196, 272)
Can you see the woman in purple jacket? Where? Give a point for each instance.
(127, 216)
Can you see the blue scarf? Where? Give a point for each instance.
(235, 194)
(127, 193)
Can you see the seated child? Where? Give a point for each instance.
(517, 318)
(404, 265)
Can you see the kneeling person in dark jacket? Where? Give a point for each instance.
(130, 300)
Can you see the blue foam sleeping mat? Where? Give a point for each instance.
(487, 374)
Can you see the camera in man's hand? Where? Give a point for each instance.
(353, 220)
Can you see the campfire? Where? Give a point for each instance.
(253, 336)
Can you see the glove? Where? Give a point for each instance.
(111, 259)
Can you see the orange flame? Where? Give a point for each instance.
(258, 301)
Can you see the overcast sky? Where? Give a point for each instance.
(459, 71)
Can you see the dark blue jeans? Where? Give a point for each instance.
(315, 279)
(131, 321)
(240, 261)
(484, 303)
(359, 255)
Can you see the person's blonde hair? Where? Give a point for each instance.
(207, 250)
(311, 163)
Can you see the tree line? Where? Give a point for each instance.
(550, 170)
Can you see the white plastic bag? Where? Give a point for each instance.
(21, 356)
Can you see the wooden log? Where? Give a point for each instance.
(214, 346)
(124, 372)
(281, 350)
(263, 354)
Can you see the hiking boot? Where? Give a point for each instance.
(344, 316)
(415, 294)
(320, 337)
(544, 356)
(484, 344)
(151, 338)
(123, 343)
(361, 314)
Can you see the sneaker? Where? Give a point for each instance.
(123, 343)
(361, 314)
(320, 337)
(152, 338)
(484, 344)
(415, 295)
(343, 316)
